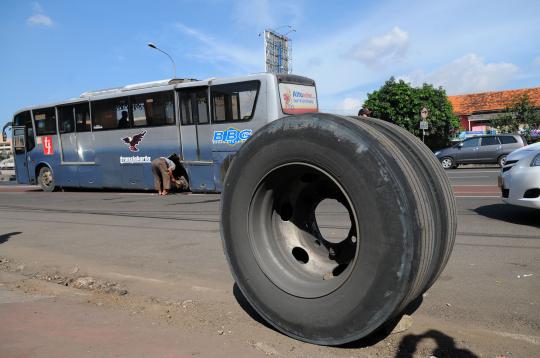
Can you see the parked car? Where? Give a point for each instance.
(520, 179)
(7, 168)
(489, 149)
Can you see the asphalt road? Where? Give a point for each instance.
(166, 252)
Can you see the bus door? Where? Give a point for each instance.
(196, 137)
(74, 128)
(20, 139)
(68, 136)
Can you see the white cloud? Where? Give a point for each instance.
(219, 51)
(383, 49)
(348, 104)
(466, 74)
(40, 20)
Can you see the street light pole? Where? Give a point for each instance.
(151, 45)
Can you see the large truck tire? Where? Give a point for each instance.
(322, 290)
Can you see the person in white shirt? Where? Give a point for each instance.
(162, 169)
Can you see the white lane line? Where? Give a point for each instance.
(140, 278)
(471, 177)
(487, 185)
(474, 171)
(477, 196)
(520, 337)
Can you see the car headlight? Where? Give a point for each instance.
(536, 161)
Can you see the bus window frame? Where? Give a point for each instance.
(30, 142)
(192, 91)
(241, 120)
(55, 121)
(132, 119)
(130, 116)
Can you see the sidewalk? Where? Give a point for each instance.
(49, 320)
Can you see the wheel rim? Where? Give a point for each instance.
(287, 241)
(447, 163)
(502, 161)
(46, 178)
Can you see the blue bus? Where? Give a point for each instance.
(108, 138)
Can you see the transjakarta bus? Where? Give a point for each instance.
(108, 138)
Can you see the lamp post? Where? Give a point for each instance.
(151, 45)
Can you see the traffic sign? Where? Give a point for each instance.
(424, 113)
(424, 125)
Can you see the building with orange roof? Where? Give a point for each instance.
(476, 110)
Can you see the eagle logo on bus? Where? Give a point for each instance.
(231, 136)
(134, 141)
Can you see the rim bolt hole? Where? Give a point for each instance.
(300, 255)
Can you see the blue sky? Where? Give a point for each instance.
(53, 50)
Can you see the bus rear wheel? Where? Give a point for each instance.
(46, 179)
(313, 287)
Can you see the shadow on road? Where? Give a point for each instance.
(372, 339)
(246, 306)
(446, 346)
(6, 237)
(511, 214)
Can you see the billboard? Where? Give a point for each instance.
(277, 50)
(296, 99)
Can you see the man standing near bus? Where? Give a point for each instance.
(162, 169)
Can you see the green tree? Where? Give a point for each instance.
(400, 103)
(520, 115)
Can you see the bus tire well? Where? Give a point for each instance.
(38, 168)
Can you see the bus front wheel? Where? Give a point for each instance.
(46, 179)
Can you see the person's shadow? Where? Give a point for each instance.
(5, 237)
(446, 346)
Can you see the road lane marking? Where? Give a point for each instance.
(477, 196)
(520, 337)
(471, 177)
(474, 171)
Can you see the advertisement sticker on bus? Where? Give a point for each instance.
(296, 99)
(47, 145)
(231, 136)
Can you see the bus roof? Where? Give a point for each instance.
(166, 84)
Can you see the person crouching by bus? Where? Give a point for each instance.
(162, 169)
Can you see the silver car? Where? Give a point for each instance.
(489, 149)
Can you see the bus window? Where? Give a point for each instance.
(45, 121)
(234, 102)
(82, 117)
(66, 119)
(194, 107)
(153, 109)
(110, 114)
(24, 119)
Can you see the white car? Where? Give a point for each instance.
(520, 178)
(7, 168)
